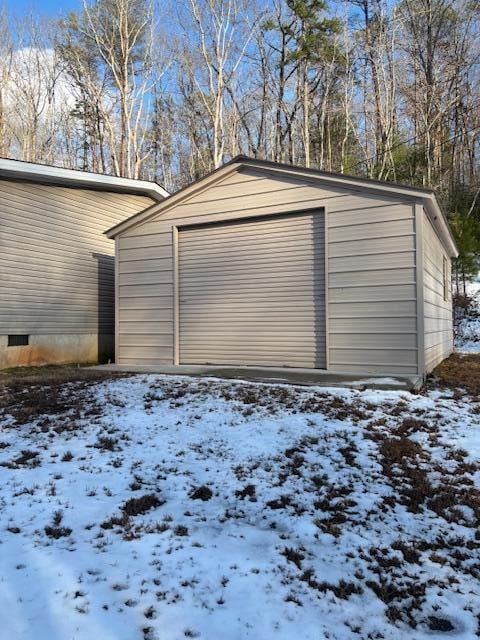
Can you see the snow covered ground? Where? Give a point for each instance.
(467, 339)
(162, 508)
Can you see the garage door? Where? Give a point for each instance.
(253, 292)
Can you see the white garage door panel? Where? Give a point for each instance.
(253, 292)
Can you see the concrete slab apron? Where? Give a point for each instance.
(307, 377)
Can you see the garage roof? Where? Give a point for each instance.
(426, 196)
(46, 174)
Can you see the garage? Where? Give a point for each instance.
(253, 292)
(262, 264)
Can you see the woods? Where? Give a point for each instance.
(168, 93)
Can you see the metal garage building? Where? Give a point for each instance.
(267, 264)
(56, 266)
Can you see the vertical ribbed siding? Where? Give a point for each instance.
(253, 292)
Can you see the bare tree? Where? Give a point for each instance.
(111, 56)
(34, 92)
(6, 59)
(222, 34)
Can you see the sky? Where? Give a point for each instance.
(49, 7)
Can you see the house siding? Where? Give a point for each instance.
(438, 315)
(56, 268)
(371, 318)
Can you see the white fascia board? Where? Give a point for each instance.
(437, 219)
(19, 170)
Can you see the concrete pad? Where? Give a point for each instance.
(278, 375)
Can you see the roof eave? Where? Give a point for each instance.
(335, 178)
(45, 174)
(439, 221)
(427, 197)
(186, 192)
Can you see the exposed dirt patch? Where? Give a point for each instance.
(341, 590)
(107, 443)
(440, 624)
(130, 509)
(56, 530)
(28, 393)
(139, 506)
(259, 399)
(25, 459)
(423, 484)
(200, 493)
(460, 372)
(248, 491)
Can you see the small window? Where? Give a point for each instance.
(445, 278)
(18, 340)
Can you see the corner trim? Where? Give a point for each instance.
(176, 300)
(419, 289)
(327, 313)
(117, 301)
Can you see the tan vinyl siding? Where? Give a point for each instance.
(55, 263)
(371, 258)
(253, 292)
(372, 290)
(242, 202)
(438, 321)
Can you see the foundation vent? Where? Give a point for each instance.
(18, 340)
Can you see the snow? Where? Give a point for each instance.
(467, 338)
(379, 381)
(305, 553)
